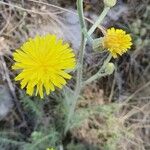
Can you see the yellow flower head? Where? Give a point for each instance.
(42, 62)
(117, 41)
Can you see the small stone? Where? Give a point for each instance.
(6, 103)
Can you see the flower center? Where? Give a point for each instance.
(44, 67)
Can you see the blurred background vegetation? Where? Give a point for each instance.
(113, 113)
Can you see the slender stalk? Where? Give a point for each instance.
(79, 83)
(82, 47)
(78, 86)
(95, 77)
(100, 73)
(99, 20)
(80, 64)
(81, 14)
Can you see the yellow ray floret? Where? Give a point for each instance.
(117, 42)
(42, 63)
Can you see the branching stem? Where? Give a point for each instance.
(99, 20)
(100, 73)
(79, 82)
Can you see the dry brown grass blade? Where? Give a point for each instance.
(136, 92)
(24, 9)
(49, 13)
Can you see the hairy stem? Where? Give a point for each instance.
(79, 83)
(80, 64)
(100, 73)
(99, 20)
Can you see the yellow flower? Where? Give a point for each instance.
(116, 41)
(43, 62)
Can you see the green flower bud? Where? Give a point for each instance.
(139, 23)
(97, 44)
(143, 32)
(110, 68)
(110, 3)
(138, 42)
(136, 30)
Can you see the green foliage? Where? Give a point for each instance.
(79, 146)
(83, 113)
(10, 140)
(45, 135)
(32, 106)
(40, 141)
(68, 95)
(73, 146)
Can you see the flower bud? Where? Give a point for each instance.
(138, 42)
(97, 44)
(110, 3)
(109, 68)
(143, 32)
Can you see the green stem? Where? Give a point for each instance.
(81, 14)
(99, 20)
(82, 47)
(100, 73)
(81, 56)
(96, 24)
(80, 65)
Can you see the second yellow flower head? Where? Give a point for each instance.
(116, 41)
